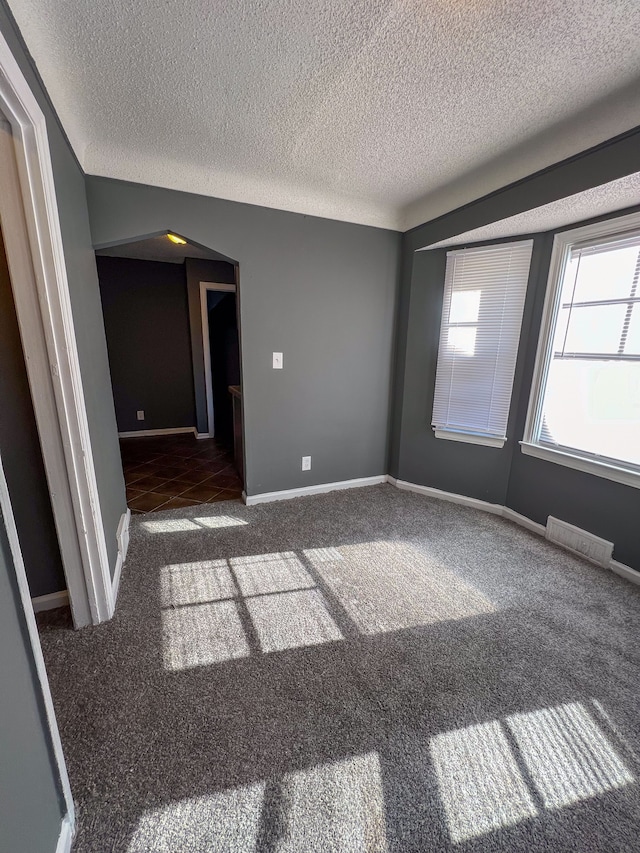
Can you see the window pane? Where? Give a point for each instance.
(594, 407)
(596, 329)
(465, 305)
(607, 275)
(633, 335)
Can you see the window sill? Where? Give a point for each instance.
(580, 463)
(470, 438)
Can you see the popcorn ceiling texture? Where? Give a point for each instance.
(384, 112)
(598, 201)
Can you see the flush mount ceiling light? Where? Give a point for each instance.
(178, 240)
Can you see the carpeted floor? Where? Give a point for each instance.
(367, 670)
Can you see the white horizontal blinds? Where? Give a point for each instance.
(484, 297)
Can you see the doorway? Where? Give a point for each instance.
(171, 321)
(221, 347)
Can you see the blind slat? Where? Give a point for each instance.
(484, 294)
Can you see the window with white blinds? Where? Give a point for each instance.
(484, 295)
(585, 404)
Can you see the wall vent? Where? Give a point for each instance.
(579, 541)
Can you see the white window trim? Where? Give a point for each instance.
(561, 243)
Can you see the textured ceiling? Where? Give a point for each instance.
(159, 249)
(598, 201)
(384, 112)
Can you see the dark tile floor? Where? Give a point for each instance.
(175, 471)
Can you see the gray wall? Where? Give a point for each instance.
(197, 271)
(22, 456)
(533, 487)
(85, 300)
(146, 321)
(31, 804)
(320, 291)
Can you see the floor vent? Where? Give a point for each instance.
(579, 541)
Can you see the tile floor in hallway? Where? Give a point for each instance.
(175, 471)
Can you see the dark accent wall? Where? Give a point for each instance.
(21, 454)
(146, 318)
(31, 805)
(533, 487)
(320, 291)
(85, 298)
(197, 271)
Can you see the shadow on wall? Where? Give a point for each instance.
(389, 674)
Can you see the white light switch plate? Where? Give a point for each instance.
(140, 415)
(306, 463)
(277, 361)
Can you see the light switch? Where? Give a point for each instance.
(306, 463)
(277, 361)
(140, 415)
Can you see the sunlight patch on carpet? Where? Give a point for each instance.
(481, 786)
(224, 821)
(202, 634)
(388, 586)
(291, 619)
(567, 754)
(196, 583)
(266, 573)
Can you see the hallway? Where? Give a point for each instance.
(177, 471)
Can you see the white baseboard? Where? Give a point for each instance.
(48, 602)
(510, 515)
(201, 435)
(141, 433)
(122, 535)
(430, 492)
(287, 494)
(625, 571)
(66, 836)
(523, 521)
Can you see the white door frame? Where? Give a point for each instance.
(68, 820)
(208, 373)
(45, 318)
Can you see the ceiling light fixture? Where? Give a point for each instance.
(178, 240)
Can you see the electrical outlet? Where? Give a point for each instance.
(140, 415)
(277, 361)
(306, 463)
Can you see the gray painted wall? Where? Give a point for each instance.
(22, 456)
(320, 291)
(85, 299)
(146, 319)
(533, 487)
(197, 271)
(31, 805)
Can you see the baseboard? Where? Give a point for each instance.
(122, 535)
(523, 521)
(66, 836)
(510, 515)
(142, 433)
(625, 571)
(428, 491)
(50, 601)
(287, 494)
(201, 435)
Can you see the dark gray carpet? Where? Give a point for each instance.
(367, 670)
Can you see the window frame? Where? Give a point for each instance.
(563, 242)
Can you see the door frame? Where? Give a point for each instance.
(67, 829)
(43, 306)
(206, 286)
